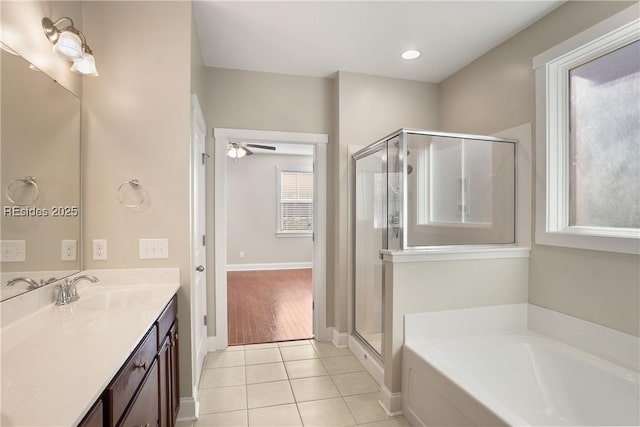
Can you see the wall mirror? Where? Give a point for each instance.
(40, 177)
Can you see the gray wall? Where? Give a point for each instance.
(252, 208)
(136, 124)
(497, 92)
(367, 109)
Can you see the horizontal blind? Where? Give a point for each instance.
(296, 201)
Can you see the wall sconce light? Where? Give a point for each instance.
(70, 44)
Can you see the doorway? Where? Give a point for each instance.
(256, 273)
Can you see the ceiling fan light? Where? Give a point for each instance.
(236, 152)
(69, 46)
(85, 65)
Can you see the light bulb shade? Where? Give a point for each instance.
(85, 65)
(68, 46)
(236, 152)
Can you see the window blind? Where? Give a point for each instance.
(296, 201)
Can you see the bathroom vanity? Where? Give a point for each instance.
(108, 359)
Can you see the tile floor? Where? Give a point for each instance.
(295, 383)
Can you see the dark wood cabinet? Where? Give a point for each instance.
(143, 411)
(145, 392)
(168, 364)
(95, 416)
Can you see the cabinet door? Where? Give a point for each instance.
(143, 411)
(95, 417)
(175, 374)
(164, 376)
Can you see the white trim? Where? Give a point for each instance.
(368, 360)
(212, 344)
(222, 137)
(270, 266)
(188, 409)
(339, 339)
(390, 402)
(454, 253)
(552, 94)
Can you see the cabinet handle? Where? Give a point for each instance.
(143, 366)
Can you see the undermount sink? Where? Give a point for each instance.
(118, 299)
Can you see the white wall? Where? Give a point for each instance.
(136, 124)
(252, 211)
(497, 92)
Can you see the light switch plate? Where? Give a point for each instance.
(13, 251)
(153, 248)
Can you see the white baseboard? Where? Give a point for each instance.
(212, 344)
(269, 266)
(339, 339)
(368, 360)
(390, 402)
(188, 409)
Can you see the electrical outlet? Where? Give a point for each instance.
(153, 248)
(241, 254)
(99, 247)
(68, 250)
(13, 251)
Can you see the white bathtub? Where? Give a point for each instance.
(486, 366)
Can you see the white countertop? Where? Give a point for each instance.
(58, 360)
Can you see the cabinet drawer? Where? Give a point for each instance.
(95, 416)
(130, 376)
(143, 412)
(167, 318)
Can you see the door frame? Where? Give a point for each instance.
(221, 137)
(198, 345)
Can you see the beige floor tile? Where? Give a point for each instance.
(275, 416)
(235, 348)
(355, 383)
(305, 368)
(223, 399)
(223, 419)
(260, 346)
(326, 413)
(314, 388)
(224, 359)
(327, 349)
(264, 355)
(299, 352)
(390, 422)
(365, 407)
(185, 424)
(269, 394)
(342, 364)
(266, 373)
(223, 377)
(293, 343)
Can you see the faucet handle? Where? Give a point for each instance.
(63, 293)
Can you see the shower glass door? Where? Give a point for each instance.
(369, 238)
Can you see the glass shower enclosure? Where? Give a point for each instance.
(420, 190)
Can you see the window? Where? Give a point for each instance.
(295, 203)
(588, 92)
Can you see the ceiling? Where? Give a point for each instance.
(319, 38)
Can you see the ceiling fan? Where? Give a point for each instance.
(237, 150)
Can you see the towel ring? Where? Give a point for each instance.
(131, 185)
(26, 181)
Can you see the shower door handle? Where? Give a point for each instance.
(200, 268)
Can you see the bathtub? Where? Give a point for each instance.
(500, 366)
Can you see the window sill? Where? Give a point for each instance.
(293, 234)
(590, 239)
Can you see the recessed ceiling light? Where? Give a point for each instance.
(410, 54)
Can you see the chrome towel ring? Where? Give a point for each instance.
(16, 184)
(131, 186)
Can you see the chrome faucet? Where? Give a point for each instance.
(67, 291)
(32, 283)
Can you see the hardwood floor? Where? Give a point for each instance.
(269, 306)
